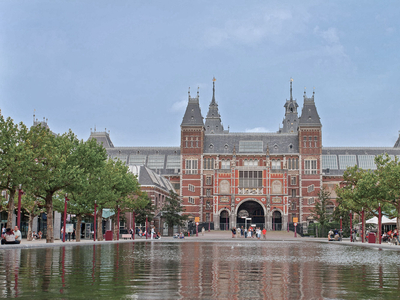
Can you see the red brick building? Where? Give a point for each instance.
(269, 179)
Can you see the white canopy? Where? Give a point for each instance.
(385, 220)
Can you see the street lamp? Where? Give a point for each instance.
(351, 227)
(133, 226)
(19, 206)
(146, 227)
(340, 223)
(65, 215)
(94, 220)
(380, 223)
(119, 210)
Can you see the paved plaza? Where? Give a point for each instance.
(221, 236)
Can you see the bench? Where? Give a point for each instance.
(126, 236)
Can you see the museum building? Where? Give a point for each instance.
(230, 179)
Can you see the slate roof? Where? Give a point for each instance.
(309, 115)
(278, 143)
(103, 138)
(193, 116)
(147, 177)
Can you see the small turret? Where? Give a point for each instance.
(290, 122)
(213, 119)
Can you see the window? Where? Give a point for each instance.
(293, 163)
(173, 162)
(293, 205)
(347, 161)
(293, 180)
(251, 146)
(191, 166)
(186, 143)
(137, 160)
(310, 141)
(208, 180)
(366, 162)
(225, 164)
(191, 187)
(208, 192)
(305, 142)
(310, 188)
(191, 143)
(315, 142)
(329, 162)
(250, 179)
(310, 166)
(293, 193)
(311, 200)
(208, 205)
(250, 162)
(276, 164)
(191, 200)
(197, 143)
(208, 163)
(156, 161)
(330, 208)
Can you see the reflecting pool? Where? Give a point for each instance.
(207, 270)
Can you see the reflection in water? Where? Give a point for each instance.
(187, 270)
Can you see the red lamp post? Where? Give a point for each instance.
(351, 227)
(119, 210)
(146, 227)
(380, 223)
(209, 224)
(94, 220)
(341, 223)
(363, 225)
(133, 225)
(65, 216)
(19, 205)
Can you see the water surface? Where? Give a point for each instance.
(207, 270)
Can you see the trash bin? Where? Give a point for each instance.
(109, 235)
(372, 238)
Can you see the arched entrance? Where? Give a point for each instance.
(276, 220)
(224, 220)
(251, 210)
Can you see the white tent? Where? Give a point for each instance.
(392, 221)
(385, 221)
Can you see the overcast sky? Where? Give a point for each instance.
(127, 65)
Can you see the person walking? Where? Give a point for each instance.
(264, 233)
(202, 231)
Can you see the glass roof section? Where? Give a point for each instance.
(251, 146)
(366, 162)
(137, 160)
(329, 162)
(173, 162)
(156, 161)
(347, 161)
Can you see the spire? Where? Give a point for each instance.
(213, 120)
(193, 115)
(291, 81)
(309, 113)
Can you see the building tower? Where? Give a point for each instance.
(192, 142)
(310, 150)
(291, 120)
(213, 119)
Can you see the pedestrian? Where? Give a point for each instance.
(152, 232)
(249, 233)
(245, 233)
(9, 237)
(233, 232)
(17, 234)
(202, 231)
(241, 231)
(264, 232)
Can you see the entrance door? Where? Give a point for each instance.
(224, 220)
(250, 210)
(276, 220)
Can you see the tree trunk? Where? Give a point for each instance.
(10, 208)
(49, 208)
(99, 230)
(115, 228)
(30, 225)
(78, 228)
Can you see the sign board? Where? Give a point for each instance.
(69, 228)
(197, 223)
(295, 220)
(295, 224)
(197, 219)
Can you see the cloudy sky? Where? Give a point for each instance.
(127, 65)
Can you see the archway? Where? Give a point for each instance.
(224, 220)
(276, 220)
(253, 210)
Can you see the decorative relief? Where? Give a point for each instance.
(224, 187)
(276, 200)
(244, 191)
(237, 199)
(224, 199)
(276, 187)
(263, 199)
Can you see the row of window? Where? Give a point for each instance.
(250, 179)
(342, 162)
(309, 142)
(191, 187)
(192, 143)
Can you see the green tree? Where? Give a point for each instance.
(15, 160)
(319, 211)
(172, 212)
